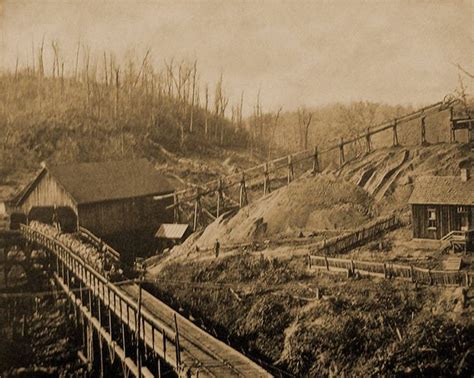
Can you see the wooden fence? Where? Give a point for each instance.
(390, 270)
(361, 236)
(263, 171)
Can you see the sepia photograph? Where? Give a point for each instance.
(236, 188)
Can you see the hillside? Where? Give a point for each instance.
(126, 114)
(335, 200)
(310, 324)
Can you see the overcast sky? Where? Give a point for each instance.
(296, 52)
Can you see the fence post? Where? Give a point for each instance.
(266, 180)
(341, 152)
(384, 270)
(352, 267)
(220, 199)
(197, 210)
(451, 121)
(412, 273)
(176, 209)
(290, 169)
(368, 142)
(178, 349)
(395, 135)
(309, 261)
(431, 277)
(327, 262)
(315, 160)
(423, 131)
(243, 200)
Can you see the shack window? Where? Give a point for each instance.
(432, 219)
(462, 209)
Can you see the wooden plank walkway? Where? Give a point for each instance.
(452, 263)
(191, 351)
(200, 351)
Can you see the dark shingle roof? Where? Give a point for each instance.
(442, 190)
(106, 181)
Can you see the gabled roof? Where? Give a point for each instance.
(105, 181)
(171, 231)
(442, 190)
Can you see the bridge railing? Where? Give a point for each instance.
(158, 336)
(99, 242)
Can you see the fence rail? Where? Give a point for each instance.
(189, 351)
(361, 236)
(390, 270)
(99, 243)
(261, 170)
(122, 305)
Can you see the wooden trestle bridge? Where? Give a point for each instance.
(260, 175)
(110, 313)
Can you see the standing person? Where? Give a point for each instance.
(217, 247)
(55, 219)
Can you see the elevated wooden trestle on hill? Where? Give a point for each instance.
(110, 313)
(260, 174)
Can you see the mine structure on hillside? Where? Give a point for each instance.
(113, 200)
(192, 199)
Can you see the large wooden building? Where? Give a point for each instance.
(441, 204)
(114, 200)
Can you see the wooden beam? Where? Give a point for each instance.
(176, 209)
(423, 131)
(394, 133)
(243, 200)
(341, 152)
(368, 141)
(315, 160)
(291, 173)
(266, 180)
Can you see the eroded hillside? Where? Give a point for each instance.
(304, 323)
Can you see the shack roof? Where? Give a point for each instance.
(171, 231)
(105, 181)
(442, 190)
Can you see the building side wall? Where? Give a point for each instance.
(131, 215)
(447, 217)
(47, 192)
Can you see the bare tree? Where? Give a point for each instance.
(272, 133)
(206, 113)
(193, 98)
(304, 123)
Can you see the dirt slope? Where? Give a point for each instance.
(388, 174)
(312, 203)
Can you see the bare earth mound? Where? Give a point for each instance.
(310, 204)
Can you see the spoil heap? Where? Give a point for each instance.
(310, 204)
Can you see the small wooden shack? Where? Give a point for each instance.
(114, 200)
(441, 204)
(171, 234)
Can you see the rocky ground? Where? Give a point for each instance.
(314, 325)
(300, 323)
